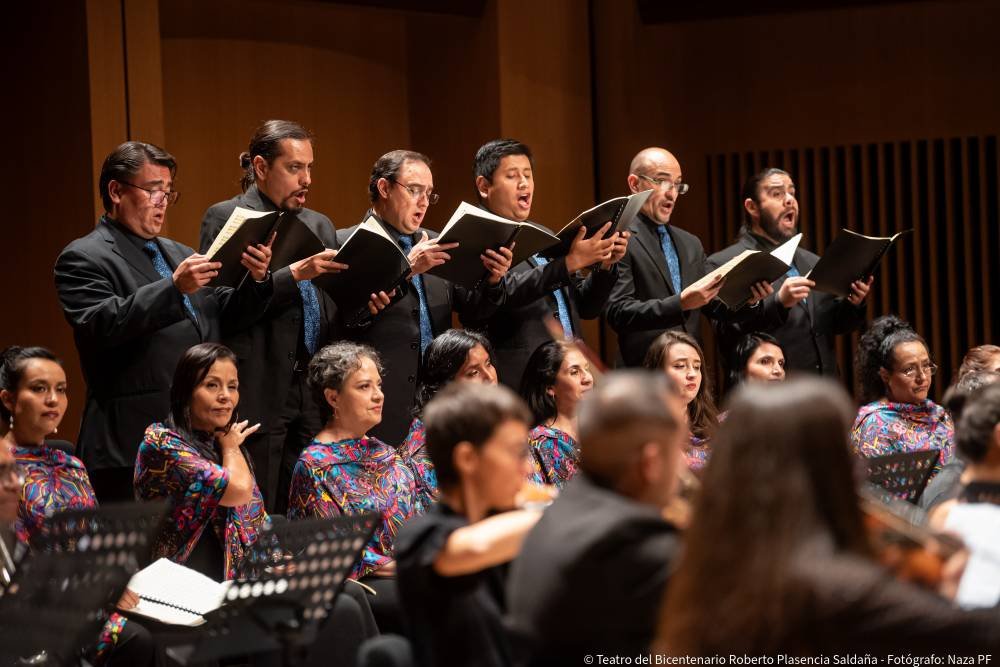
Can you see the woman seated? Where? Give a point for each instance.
(344, 471)
(896, 373)
(457, 354)
(195, 461)
(680, 357)
(555, 379)
(757, 356)
(33, 401)
(975, 513)
(777, 559)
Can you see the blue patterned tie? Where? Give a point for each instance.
(426, 331)
(561, 305)
(794, 273)
(160, 264)
(310, 315)
(673, 261)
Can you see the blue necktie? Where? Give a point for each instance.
(310, 315)
(561, 305)
(673, 261)
(426, 331)
(794, 273)
(160, 264)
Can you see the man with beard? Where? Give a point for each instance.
(655, 289)
(803, 321)
(275, 352)
(538, 289)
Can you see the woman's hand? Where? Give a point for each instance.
(236, 434)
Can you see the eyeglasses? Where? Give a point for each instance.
(11, 475)
(418, 191)
(910, 372)
(666, 184)
(156, 197)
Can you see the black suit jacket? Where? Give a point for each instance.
(518, 328)
(590, 577)
(395, 335)
(131, 328)
(643, 303)
(807, 330)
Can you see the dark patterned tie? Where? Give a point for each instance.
(152, 248)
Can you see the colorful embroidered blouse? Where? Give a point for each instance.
(414, 450)
(697, 453)
(55, 481)
(555, 456)
(190, 476)
(890, 428)
(355, 476)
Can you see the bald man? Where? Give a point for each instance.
(654, 291)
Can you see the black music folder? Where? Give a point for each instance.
(850, 257)
(617, 211)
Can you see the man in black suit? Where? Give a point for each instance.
(275, 351)
(803, 321)
(137, 302)
(538, 289)
(591, 574)
(401, 188)
(657, 278)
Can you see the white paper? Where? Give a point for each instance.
(172, 584)
(786, 251)
(979, 526)
(235, 221)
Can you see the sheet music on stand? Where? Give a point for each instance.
(57, 600)
(904, 475)
(285, 588)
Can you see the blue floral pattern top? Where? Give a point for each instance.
(555, 456)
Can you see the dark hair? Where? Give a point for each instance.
(490, 154)
(332, 365)
(620, 415)
(12, 362)
(467, 413)
(125, 162)
(388, 167)
(703, 416)
(266, 142)
(191, 370)
(978, 358)
(751, 189)
(737, 585)
(959, 394)
(974, 430)
(743, 350)
(442, 360)
(540, 376)
(875, 351)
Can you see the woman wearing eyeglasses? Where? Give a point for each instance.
(33, 402)
(896, 373)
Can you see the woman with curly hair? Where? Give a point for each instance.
(896, 371)
(680, 357)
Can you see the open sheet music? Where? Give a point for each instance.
(620, 210)
(174, 594)
(749, 268)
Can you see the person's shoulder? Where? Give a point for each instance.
(728, 252)
(85, 245)
(159, 436)
(429, 530)
(223, 209)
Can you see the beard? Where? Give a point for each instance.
(771, 227)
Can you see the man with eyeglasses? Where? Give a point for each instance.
(655, 289)
(137, 301)
(538, 289)
(804, 322)
(401, 189)
(274, 353)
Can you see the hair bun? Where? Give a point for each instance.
(244, 160)
(888, 325)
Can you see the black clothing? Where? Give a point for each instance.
(131, 328)
(453, 620)
(806, 331)
(395, 335)
(270, 351)
(590, 577)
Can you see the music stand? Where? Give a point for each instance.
(904, 475)
(58, 598)
(285, 588)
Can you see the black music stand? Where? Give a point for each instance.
(58, 598)
(904, 475)
(284, 591)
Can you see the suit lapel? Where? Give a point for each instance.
(650, 243)
(125, 249)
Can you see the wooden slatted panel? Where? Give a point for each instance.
(944, 277)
